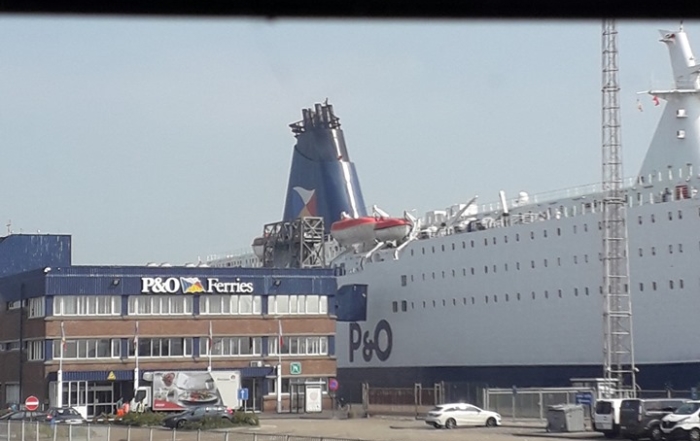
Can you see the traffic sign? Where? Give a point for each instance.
(31, 403)
(295, 368)
(243, 394)
(584, 398)
(333, 385)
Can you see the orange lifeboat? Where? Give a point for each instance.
(391, 228)
(354, 230)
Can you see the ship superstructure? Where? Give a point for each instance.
(510, 292)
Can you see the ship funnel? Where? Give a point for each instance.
(322, 180)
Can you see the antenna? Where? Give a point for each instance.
(618, 352)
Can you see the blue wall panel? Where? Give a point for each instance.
(25, 252)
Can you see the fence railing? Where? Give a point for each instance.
(34, 431)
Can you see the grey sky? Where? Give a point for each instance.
(168, 140)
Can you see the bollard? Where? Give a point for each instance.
(174, 431)
(226, 436)
(109, 432)
(199, 435)
(53, 427)
(128, 433)
(70, 432)
(37, 431)
(22, 430)
(88, 432)
(150, 434)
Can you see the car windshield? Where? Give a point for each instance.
(437, 409)
(687, 409)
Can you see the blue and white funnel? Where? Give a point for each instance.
(322, 180)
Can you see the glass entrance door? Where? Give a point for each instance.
(100, 399)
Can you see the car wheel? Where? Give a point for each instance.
(656, 434)
(491, 422)
(451, 424)
(436, 425)
(180, 424)
(695, 435)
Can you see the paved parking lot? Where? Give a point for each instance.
(396, 429)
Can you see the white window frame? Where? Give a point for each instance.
(301, 304)
(37, 307)
(34, 350)
(160, 305)
(235, 304)
(230, 346)
(187, 346)
(292, 345)
(85, 346)
(68, 306)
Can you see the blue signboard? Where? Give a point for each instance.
(243, 394)
(584, 398)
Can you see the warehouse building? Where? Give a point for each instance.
(108, 329)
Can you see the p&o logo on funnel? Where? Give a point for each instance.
(191, 285)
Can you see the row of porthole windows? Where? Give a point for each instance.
(670, 250)
(494, 298)
(492, 269)
(652, 217)
(494, 240)
(518, 296)
(671, 285)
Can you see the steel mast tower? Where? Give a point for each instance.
(618, 347)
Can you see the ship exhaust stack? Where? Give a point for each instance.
(322, 180)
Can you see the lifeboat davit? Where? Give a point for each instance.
(391, 228)
(259, 247)
(354, 230)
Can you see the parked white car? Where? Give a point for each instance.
(683, 423)
(453, 415)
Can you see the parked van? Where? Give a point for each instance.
(683, 423)
(641, 418)
(606, 417)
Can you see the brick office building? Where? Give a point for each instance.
(88, 320)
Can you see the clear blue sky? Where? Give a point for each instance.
(165, 140)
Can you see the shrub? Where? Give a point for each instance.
(142, 419)
(245, 419)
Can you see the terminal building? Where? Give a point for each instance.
(107, 327)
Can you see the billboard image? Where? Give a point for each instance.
(178, 390)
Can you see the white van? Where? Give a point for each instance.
(683, 423)
(606, 417)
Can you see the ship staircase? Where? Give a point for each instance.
(618, 345)
(294, 244)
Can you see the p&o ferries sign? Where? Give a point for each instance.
(193, 285)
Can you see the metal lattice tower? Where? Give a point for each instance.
(294, 244)
(618, 347)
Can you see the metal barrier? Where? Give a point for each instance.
(528, 403)
(33, 431)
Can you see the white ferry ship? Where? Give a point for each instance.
(510, 293)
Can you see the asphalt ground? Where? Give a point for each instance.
(406, 429)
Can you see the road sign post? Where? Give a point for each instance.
(31, 403)
(243, 396)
